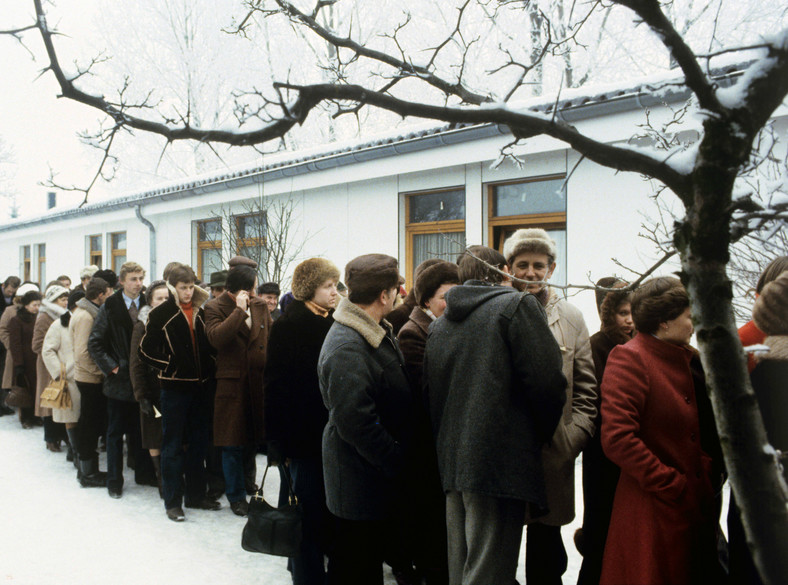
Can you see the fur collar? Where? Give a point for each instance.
(778, 347)
(89, 306)
(356, 318)
(199, 298)
(142, 316)
(52, 309)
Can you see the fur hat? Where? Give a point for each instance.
(269, 288)
(310, 274)
(241, 261)
(431, 278)
(770, 311)
(88, 271)
(26, 288)
(54, 292)
(529, 240)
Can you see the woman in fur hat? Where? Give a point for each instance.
(52, 307)
(294, 410)
(769, 380)
(600, 475)
(20, 348)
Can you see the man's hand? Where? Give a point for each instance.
(242, 300)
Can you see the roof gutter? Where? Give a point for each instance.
(152, 230)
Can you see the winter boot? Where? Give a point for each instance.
(89, 475)
(72, 447)
(156, 459)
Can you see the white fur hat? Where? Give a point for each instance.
(529, 240)
(54, 292)
(26, 288)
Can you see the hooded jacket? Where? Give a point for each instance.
(495, 391)
(168, 345)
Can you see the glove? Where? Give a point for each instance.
(275, 453)
(19, 376)
(146, 407)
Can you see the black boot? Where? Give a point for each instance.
(156, 459)
(89, 475)
(72, 447)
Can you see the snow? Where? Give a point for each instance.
(56, 532)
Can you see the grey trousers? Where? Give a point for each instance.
(484, 535)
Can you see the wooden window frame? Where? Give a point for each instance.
(115, 252)
(41, 262)
(206, 245)
(95, 257)
(27, 262)
(241, 243)
(429, 227)
(547, 221)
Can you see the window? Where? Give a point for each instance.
(117, 251)
(94, 250)
(209, 248)
(435, 227)
(26, 266)
(250, 236)
(42, 265)
(537, 203)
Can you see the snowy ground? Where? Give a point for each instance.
(54, 532)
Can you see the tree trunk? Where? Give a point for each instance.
(703, 242)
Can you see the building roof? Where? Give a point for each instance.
(574, 105)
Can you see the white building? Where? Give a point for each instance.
(413, 195)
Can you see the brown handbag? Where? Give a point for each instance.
(19, 397)
(55, 394)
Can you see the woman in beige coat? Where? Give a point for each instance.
(58, 352)
(52, 307)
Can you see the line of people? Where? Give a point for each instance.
(423, 434)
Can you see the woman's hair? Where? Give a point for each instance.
(153, 287)
(240, 277)
(30, 297)
(181, 273)
(475, 264)
(775, 268)
(656, 301)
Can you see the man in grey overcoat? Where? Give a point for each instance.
(495, 392)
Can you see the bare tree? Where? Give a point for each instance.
(434, 84)
(266, 231)
(7, 171)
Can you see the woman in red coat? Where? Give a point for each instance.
(654, 428)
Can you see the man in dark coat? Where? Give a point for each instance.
(294, 411)
(496, 393)
(237, 325)
(10, 286)
(109, 345)
(366, 391)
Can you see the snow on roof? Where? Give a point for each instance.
(574, 103)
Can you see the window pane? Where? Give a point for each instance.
(119, 241)
(210, 231)
(26, 252)
(532, 197)
(211, 261)
(95, 244)
(117, 262)
(446, 246)
(251, 226)
(437, 206)
(42, 250)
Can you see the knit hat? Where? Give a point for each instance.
(26, 288)
(88, 271)
(310, 274)
(770, 311)
(431, 278)
(241, 261)
(529, 240)
(54, 292)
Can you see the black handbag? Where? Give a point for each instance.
(270, 530)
